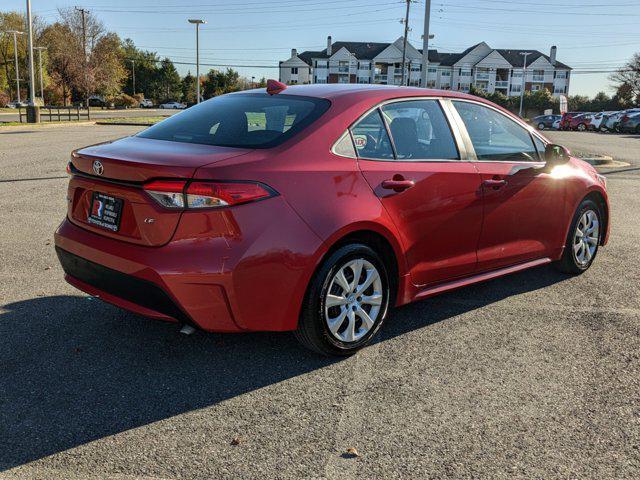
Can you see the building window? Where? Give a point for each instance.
(416, 67)
(446, 73)
(516, 74)
(433, 70)
(535, 88)
(464, 73)
(364, 66)
(363, 80)
(516, 88)
(294, 71)
(321, 80)
(559, 90)
(561, 74)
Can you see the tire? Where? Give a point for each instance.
(572, 262)
(541, 126)
(314, 331)
(638, 129)
(582, 127)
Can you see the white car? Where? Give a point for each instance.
(556, 124)
(173, 106)
(596, 120)
(146, 103)
(17, 104)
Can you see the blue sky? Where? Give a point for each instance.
(591, 35)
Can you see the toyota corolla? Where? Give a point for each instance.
(317, 208)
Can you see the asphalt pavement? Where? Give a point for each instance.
(535, 375)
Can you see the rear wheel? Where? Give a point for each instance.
(346, 303)
(583, 239)
(582, 127)
(541, 126)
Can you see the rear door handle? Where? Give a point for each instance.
(494, 183)
(397, 185)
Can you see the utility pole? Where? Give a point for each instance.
(197, 23)
(32, 87)
(524, 79)
(84, 49)
(39, 49)
(404, 41)
(133, 73)
(15, 55)
(425, 44)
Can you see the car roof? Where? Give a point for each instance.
(337, 90)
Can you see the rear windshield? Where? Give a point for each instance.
(240, 120)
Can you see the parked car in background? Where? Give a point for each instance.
(613, 122)
(97, 101)
(173, 106)
(543, 122)
(146, 103)
(17, 104)
(566, 119)
(341, 203)
(580, 122)
(556, 124)
(597, 120)
(630, 123)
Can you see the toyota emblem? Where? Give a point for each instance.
(98, 168)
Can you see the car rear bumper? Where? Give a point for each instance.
(251, 278)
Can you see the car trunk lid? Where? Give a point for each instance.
(105, 193)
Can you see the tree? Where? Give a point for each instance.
(189, 88)
(106, 66)
(167, 85)
(146, 69)
(218, 83)
(65, 68)
(628, 78)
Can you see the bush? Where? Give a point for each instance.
(124, 100)
(4, 99)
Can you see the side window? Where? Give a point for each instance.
(371, 139)
(420, 130)
(494, 135)
(540, 146)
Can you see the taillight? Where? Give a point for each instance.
(173, 194)
(168, 193)
(625, 118)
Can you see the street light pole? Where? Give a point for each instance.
(39, 49)
(197, 23)
(425, 44)
(32, 89)
(524, 79)
(15, 55)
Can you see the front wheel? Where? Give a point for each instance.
(582, 127)
(583, 239)
(346, 302)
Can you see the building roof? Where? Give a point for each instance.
(369, 50)
(515, 58)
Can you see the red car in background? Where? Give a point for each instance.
(580, 122)
(566, 119)
(316, 208)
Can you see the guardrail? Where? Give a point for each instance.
(60, 114)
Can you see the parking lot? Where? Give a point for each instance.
(536, 375)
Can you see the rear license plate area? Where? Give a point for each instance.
(105, 211)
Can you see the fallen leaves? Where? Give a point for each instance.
(351, 452)
(235, 441)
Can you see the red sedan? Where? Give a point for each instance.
(316, 208)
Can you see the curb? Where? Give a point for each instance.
(604, 161)
(133, 124)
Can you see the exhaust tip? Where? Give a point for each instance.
(187, 329)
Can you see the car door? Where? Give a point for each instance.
(523, 215)
(408, 154)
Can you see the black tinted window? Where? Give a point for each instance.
(371, 139)
(420, 130)
(240, 120)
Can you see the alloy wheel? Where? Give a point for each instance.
(354, 300)
(586, 237)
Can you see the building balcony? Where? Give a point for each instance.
(380, 78)
(502, 84)
(482, 76)
(537, 78)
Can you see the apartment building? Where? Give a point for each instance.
(488, 69)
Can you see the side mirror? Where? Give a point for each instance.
(556, 155)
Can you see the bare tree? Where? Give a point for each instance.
(627, 79)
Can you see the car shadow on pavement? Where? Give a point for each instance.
(74, 370)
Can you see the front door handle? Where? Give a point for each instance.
(397, 185)
(494, 183)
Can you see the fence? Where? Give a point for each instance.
(60, 114)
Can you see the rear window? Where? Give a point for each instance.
(240, 120)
